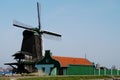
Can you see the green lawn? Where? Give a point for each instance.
(65, 78)
(4, 78)
(58, 77)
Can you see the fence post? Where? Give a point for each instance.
(111, 71)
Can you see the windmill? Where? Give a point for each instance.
(37, 33)
(31, 46)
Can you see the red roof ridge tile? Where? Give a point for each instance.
(69, 57)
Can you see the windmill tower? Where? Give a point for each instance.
(32, 38)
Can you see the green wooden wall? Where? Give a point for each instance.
(89, 70)
(80, 70)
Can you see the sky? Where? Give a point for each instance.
(89, 28)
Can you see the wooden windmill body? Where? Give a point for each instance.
(32, 43)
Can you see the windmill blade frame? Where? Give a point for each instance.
(22, 25)
(51, 33)
(38, 12)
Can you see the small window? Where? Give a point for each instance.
(43, 69)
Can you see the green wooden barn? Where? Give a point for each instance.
(57, 65)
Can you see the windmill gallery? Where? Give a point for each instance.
(30, 58)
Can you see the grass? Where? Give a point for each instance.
(4, 78)
(65, 78)
(59, 77)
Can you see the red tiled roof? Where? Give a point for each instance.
(65, 61)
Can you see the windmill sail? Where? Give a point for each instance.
(51, 33)
(22, 25)
(39, 24)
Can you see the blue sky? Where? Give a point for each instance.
(88, 27)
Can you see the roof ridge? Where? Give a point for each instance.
(70, 57)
